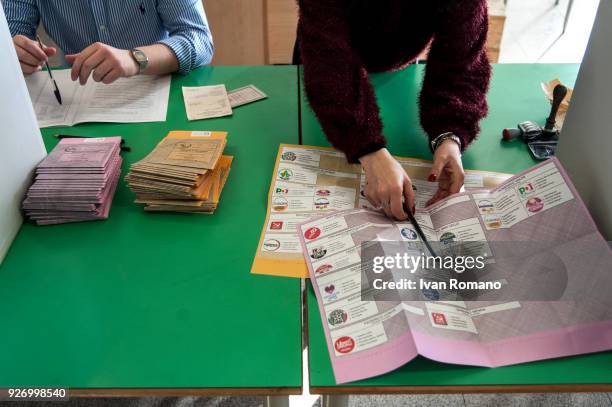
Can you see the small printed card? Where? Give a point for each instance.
(245, 95)
(205, 102)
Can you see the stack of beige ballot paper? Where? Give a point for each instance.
(186, 172)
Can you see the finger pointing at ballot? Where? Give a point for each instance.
(31, 55)
(104, 63)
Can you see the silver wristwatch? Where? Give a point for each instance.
(141, 59)
(435, 143)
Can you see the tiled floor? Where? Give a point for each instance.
(486, 400)
(468, 400)
(400, 401)
(149, 402)
(539, 399)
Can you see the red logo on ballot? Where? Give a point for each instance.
(323, 268)
(438, 319)
(276, 225)
(344, 344)
(312, 233)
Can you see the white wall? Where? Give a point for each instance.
(585, 145)
(21, 146)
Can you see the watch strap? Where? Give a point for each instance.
(437, 141)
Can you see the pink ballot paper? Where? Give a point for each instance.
(75, 182)
(537, 285)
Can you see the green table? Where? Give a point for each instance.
(515, 96)
(162, 303)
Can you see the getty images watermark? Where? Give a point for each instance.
(412, 263)
(482, 271)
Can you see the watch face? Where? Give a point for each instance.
(140, 56)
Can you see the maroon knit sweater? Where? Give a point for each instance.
(342, 40)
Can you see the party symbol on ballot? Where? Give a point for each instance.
(312, 233)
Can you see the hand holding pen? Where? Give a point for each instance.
(31, 56)
(56, 91)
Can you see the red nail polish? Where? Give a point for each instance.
(432, 178)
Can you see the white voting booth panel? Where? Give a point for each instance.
(585, 144)
(21, 145)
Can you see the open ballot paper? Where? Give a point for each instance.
(128, 100)
(206, 102)
(539, 239)
(308, 181)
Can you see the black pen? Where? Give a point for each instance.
(419, 231)
(58, 96)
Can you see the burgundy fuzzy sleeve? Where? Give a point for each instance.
(336, 82)
(453, 98)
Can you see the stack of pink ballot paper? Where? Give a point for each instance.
(75, 182)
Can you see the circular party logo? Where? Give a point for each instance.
(323, 268)
(344, 344)
(447, 238)
(280, 204)
(285, 174)
(431, 294)
(318, 253)
(289, 156)
(337, 317)
(493, 221)
(534, 204)
(312, 233)
(485, 206)
(408, 234)
(271, 245)
(321, 203)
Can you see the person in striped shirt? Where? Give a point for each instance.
(111, 39)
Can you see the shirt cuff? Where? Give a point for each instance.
(183, 51)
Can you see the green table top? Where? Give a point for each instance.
(515, 96)
(148, 300)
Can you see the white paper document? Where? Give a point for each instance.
(127, 100)
(246, 94)
(205, 102)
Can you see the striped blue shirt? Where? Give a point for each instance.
(126, 24)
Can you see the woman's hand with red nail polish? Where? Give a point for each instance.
(447, 168)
